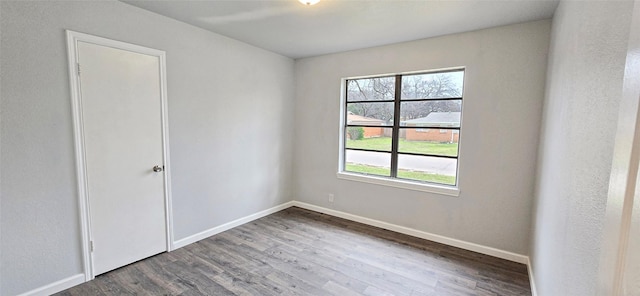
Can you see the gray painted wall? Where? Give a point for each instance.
(504, 90)
(584, 87)
(230, 116)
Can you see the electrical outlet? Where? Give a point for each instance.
(331, 197)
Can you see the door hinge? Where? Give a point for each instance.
(91, 245)
(78, 68)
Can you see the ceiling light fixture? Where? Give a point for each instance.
(309, 2)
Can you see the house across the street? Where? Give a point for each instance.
(429, 127)
(369, 132)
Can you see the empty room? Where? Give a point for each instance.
(332, 147)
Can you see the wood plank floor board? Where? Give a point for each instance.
(200, 282)
(295, 285)
(359, 250)
(245, 274)
(334, 262)
(110, 286)
(232, 284)
(397, 247)
(375, 291)
(354, 268)
(384, 279)
(301, 270)
(300, 252)
(86, 289)
(281, 236)
(170, 282)
(447, 288)
(457, 280)
(372, 234)
(338, 289)
(140, 283)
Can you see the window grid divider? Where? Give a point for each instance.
(395, 134)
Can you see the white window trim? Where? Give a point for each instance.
(400, 183)
(379, 180)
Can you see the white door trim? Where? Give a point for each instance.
(624, 182)
(81, 169)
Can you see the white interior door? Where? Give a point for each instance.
(121, 110)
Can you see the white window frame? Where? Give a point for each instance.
(450, 190)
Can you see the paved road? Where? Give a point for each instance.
(434, 165)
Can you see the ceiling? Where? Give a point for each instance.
(295, 30)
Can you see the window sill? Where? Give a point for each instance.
(432, 188)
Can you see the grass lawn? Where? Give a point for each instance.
(412, 175)
(384, 143)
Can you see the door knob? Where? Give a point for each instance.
(157, 169)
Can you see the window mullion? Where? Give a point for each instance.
(395, 135)
(343, 164)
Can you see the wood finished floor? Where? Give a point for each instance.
(300, 252)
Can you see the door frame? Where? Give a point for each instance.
(79, 138)
(623, 199)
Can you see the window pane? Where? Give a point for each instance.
(373, 163)
(427, 168)
(371, 89)
(371, 138)
(433, 85)
(377, 113)
(431, 113)
(429, 141)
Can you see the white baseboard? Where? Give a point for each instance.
(534, 291)
(56, 287)
(418, 233)
(215, 230)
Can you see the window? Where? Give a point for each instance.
(388, 123)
